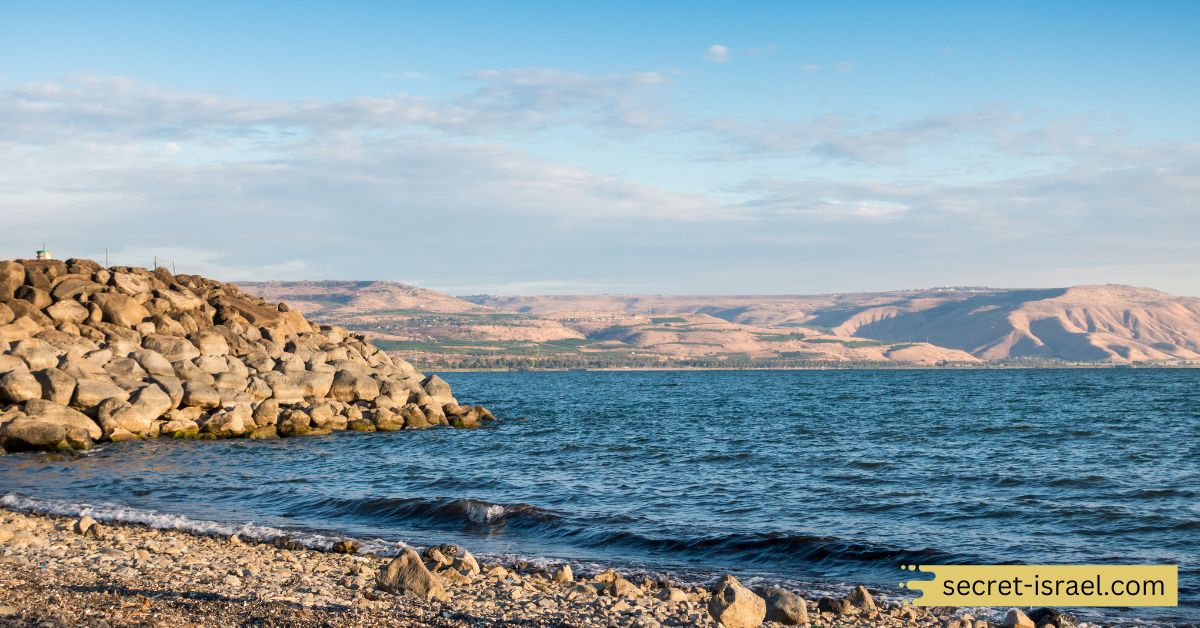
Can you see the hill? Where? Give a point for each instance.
(964, 325)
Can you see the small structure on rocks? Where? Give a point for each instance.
(90, 354)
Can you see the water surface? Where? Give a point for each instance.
(816, 478)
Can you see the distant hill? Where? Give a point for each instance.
(1114, 324)
(1084, 323)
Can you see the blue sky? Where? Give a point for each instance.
(690, 147)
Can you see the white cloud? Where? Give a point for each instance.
(717, 53)
(401, 186)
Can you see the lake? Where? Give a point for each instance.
(818, 479)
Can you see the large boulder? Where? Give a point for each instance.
(69, 287)
(1016, 618)
(12, 363)
(294, 422)
(179, 301)
(735, 606)
(211, 343)
(173, 348)
(434, 414)
(57, 386)
(136, 416)
(59, 414)
(461, 416)
(90, 393)
(12, 276)
(407, 575)
(171, 385)
(121, 340)
(437, 388)
(130, 283)
(153, 362)
(228, 423)
(283, 389)
(67, 312)
(388, 420)
(38, 354)
(26, 434)
(314, 384)
(120, 309)
(38, 297)
(860, 597)
(19, 385)
(68, 343)
(188, 372)
(266, 413)
(349, 386)
(785, 607)
(200, 395)
(21, 328)
(414, 417)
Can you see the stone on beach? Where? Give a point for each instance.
(52, 575)
(407, 575)
(785, 607)
(735, 606)
(860, 597)
(563, 574)
(835, 605)
(1016, 618)
(345, 546)
(86, 526)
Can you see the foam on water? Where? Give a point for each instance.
(117, 513)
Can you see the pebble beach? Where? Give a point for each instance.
(73, 571)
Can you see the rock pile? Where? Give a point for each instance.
(90, 354)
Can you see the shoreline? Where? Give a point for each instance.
(57, 570)
(903, 367)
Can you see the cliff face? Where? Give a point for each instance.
(93, 354)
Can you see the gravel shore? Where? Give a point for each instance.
(61, 571)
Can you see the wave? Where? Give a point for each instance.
(116, 513)
(587, 530)
(433, 510)
(597, 531)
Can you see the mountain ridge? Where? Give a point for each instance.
(1102, 323)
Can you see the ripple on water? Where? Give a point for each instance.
(816, 477)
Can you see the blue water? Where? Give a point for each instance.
(815, 478)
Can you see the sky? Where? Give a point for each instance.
(616, 147)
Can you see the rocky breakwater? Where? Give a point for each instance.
(91, 354)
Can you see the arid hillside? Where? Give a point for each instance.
(1084, 323)
(1113, 324)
